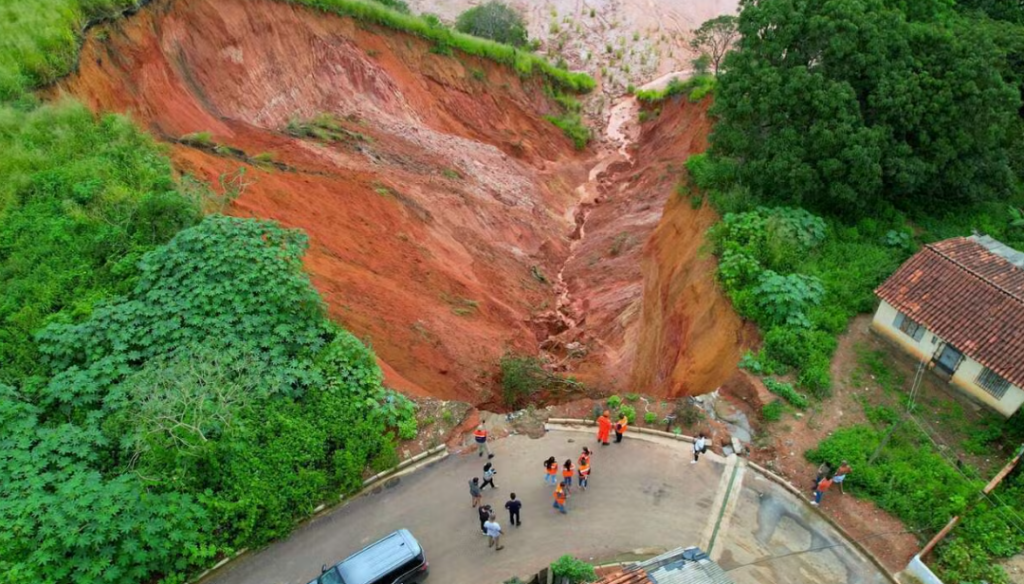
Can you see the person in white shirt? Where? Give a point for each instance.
(493, 530)
(699, 447)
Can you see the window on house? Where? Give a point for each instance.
(993, 383)
(909, 326)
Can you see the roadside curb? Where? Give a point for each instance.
(407, 466)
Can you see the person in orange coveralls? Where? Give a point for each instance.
(604, 428)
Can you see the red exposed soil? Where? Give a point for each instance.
(429, 225)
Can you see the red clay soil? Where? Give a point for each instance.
(426, 234)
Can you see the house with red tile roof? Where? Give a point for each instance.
(958, 306)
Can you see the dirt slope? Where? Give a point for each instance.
(443, 206)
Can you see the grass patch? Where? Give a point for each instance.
(524, 62)
(696, 88)
(325, 128)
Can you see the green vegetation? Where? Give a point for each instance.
(571, 122)
(650, 418)
(908, 478)
(524, 62)
(773, 412)
(860, 108)
(847, 136)
(81, 200)
(696, 88)
(614, 402)
(325, 128)
(573, 571)
(629, 412)
(801, 278)
(494, 20)
(523, 377)
(786, 392)
(188, 411)
(714, 38)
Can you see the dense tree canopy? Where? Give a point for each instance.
(494, 20)
(838, 106)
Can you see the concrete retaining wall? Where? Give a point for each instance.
(917, 569)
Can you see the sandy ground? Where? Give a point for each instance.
(644, 495)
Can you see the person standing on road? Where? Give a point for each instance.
(820, 490)
(484, 511)
(844, 469)
(620, 427)
(551, 471)
(513, 505)
(584, 468)
(489, 473)
(700, 446)
(474, 491)
(567, 472)
(604, 428)
(493, 530)
(559, 499)
(480, 435)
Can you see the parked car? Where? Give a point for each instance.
(395, 559)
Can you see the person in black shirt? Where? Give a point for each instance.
(513, 507)
(485, 514)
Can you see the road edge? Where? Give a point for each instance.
(407, 466)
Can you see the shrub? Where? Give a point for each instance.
(798, 347)
(521, 378)
(786, 391)
(632, 397)
(573, 127)
(629, 412)
(815, 377)
(614, 402)
(573, 570)
(650, 418)
(772, 412)
(496, 21)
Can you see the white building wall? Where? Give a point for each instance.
(966, 375)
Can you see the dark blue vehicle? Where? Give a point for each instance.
(395, 559)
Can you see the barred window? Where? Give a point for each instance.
(909, 326)
(993, 383)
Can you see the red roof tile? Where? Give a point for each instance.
(969, 297)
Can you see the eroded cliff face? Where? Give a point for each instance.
(448, 221)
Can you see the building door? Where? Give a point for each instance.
(949, 359)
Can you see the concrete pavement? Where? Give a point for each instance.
(643, 494)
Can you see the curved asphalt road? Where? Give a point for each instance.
(644, 494)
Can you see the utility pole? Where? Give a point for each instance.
(992, 484)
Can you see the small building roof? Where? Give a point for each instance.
(679, 566)
(969, 291)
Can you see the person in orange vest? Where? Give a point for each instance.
(480, 435)
(820, 490)
(559, 499)
(567, 475)
(620, 428)
(604, 428)
(584, 468)
(551, 471)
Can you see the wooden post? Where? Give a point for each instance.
(992, 484)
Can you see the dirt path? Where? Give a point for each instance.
(756, 530)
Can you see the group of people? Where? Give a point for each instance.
(489, 525)
(825, 479)
(560, 476)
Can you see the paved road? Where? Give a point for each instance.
(644, 494)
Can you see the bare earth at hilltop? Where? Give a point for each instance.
(647, 38)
